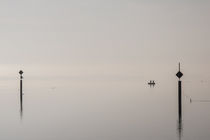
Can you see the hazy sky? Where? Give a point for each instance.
(83, 35)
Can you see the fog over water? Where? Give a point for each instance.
(87, 64)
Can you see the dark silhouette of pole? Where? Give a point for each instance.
(180, 127)
(180, 98)
(179, 75)
(21, 92)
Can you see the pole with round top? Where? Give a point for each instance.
(21, 91)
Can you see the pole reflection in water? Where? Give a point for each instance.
(180, 128)
(21, 109)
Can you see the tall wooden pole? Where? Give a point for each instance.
(180, 98)
(179, 75)
(21, 92)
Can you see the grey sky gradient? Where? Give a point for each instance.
(125, 35)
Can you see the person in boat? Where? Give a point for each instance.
(151, 82)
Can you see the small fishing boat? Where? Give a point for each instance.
(151, 82)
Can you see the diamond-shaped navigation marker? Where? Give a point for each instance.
(21, 72)
(179, 74)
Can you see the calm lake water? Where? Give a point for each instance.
(117, 108)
